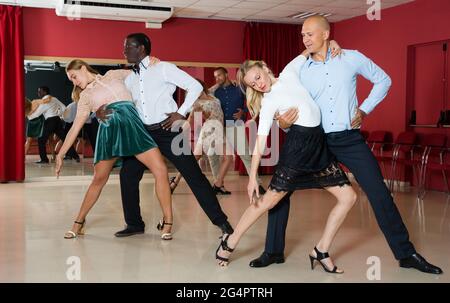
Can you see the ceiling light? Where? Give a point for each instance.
(304, 15)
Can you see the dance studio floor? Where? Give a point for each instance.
(35, 214)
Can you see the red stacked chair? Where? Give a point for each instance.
(365, 134)
(378, 143)
(433, 159)
(403, 154)
(445, 165)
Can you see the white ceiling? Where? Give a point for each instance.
(270, 10)
(252, 10)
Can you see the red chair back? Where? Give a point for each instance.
(434, 143)
(365, 134)
(376, 141)
(434, 140)
(377, 136)
(406, 140)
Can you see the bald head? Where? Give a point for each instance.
(317, 21)
(315, 33)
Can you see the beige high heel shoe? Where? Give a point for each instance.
(160, 226)
(71, 235)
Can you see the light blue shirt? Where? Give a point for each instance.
(332, 84)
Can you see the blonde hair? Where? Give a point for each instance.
(76, 64)
(253, 96)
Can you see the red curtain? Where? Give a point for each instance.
(12, 95)
(277, 45)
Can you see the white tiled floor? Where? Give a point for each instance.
(35, 214)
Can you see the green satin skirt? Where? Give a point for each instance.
(123, 134)
(35, 127)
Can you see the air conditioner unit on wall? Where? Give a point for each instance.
(135, 11)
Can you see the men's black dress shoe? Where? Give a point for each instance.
(221, 190)
(226, 228)
(418, 262)
(128, 232)
(266, 259)
(42, 162)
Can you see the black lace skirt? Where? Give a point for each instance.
(306, 162)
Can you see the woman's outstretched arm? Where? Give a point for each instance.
(253, 185)
(78, 123)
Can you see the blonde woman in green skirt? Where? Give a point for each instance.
(121, 136)
(35, 126)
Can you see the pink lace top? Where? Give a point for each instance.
(105, 89)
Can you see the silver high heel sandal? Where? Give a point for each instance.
(160, 226)
(71, 235)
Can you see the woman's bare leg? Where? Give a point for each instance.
(27, 144)
(52, 144)
(224, 166)
(346, 198)
(58, 146)
(155, 163)
(253, 212)
(101, 174)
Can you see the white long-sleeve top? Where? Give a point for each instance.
(51, 109)
(152, 90)
(286, 93)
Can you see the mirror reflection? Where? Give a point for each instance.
(50, 112)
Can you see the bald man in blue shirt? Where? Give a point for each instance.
(332, 84)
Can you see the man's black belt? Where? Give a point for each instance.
(155, 126)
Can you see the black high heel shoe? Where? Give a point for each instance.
(320, 256)
(172, 181)
(224, 245)
(160, 226)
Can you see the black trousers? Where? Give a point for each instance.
(53, 125)
(350, 149)
(89, 131)
(133, 170)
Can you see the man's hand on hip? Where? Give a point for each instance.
(288, 118)
(102, 113)
(172, 118)
(358, 118)
(238, 115)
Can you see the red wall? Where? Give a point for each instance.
(180, 39)
(386, 43)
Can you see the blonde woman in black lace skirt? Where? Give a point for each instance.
(304, 163)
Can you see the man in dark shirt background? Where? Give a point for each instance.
(232, 100)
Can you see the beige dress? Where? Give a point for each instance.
(212, 137)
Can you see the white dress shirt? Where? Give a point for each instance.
(286, 93)
(54, 108)
(152, 90)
